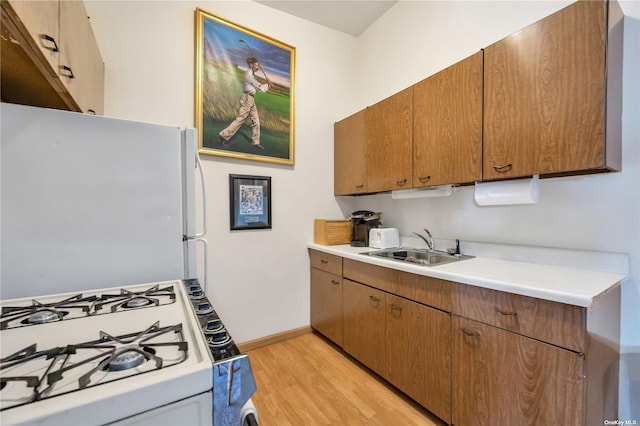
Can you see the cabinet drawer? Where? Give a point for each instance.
(426, 290)
(552, 322)
(326, 262)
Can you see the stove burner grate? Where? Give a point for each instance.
(127, 300)
(41, 313)
(93, 363)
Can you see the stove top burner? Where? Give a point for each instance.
(40, 313)
(137, 303)
(127, 360)
(45, 316)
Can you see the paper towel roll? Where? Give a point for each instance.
(507, 192)
(248, 408)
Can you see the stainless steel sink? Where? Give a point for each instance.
(418, 256)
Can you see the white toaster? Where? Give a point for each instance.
(384, 238)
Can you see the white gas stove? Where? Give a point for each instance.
(106, 355)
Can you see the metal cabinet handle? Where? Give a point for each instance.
(358, 187)
(395, 307)
(374, 299)
(334, 282)
(503, 168)
(469, 333)
(91, 111)
(401, 182)
(424, 179)
(501, 312)
(68, 71)
(50, 40)
(324, 262)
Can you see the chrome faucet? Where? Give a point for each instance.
(428, 240)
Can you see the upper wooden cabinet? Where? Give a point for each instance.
(79, 52)
(55, 59)
(546, 100)
(447, 125)
(349, 155)
(389, 143)
(545, 94)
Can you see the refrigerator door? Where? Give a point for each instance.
(189, 155)
(87, 202)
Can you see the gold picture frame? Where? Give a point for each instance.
(245, 92)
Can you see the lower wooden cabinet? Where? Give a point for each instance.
(326, 304)
(500, 377)
(407, 343)
(364, 324)
(418, 353)
(470, 355)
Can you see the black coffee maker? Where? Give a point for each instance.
(361, 223)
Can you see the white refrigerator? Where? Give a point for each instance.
(91, 202)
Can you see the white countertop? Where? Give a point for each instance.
(562, 284)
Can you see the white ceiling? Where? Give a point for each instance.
(351, 17)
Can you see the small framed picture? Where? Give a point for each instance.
(249, 202)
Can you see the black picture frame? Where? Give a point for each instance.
(249, 202)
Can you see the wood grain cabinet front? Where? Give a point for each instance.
(364, 324)
(389, 142)
(552, 95)
(326, 295)
(557, 323)
(55, 60)
(406, 342)
(418, 353)
(500, 377)
(447, 125)
(326, 262)
(520, 359)
(326, 304)
(350, 155)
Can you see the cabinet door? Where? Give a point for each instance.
(501, 377)
(326, 304)
(363, 324)
(544, 95)
(389, 143)
(418, 353)
(447, 125)
(349, 155)
(40, 18)
(80, 58)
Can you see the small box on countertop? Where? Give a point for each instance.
(331, 232)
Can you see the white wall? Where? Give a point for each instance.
(259, 279)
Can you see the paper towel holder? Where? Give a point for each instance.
(507, 192)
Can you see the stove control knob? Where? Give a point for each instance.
(197, 294)
(213, 326)
(204, 308)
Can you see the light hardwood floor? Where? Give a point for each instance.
(309, 381)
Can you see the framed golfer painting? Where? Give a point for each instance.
(244, 92)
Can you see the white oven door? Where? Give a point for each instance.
(196, 410)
